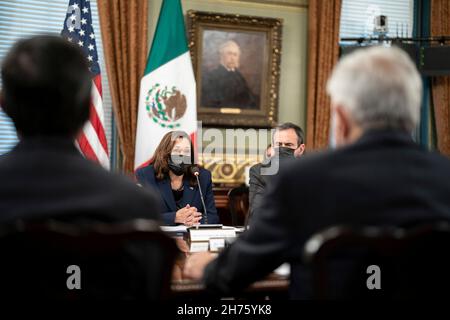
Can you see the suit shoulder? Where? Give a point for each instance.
(146, 173)
(255, 170)
(436, 156)
(123, 187)
(310, 165)
(205, 173)
(256, 167)
(145, 170)
(439, 162)
(146, 196)
(133, 197)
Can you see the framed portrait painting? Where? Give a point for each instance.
(236, 62)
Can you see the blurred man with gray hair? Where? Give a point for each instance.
(376, 177)
(378, 88)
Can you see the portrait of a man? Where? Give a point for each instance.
(231, 69)
(225, 86)
(236, 60)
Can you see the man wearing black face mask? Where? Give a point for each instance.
(288, 143)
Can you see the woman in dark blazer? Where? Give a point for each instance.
(171, 174)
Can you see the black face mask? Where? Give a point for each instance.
(284, 152)
(179, 164)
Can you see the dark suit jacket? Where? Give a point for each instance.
(258, 182)
(382, 179)
(47, 177)
(222, 88)
(257, 187)
(191, 195)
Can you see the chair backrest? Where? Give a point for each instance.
(239, 205)
(412, 262)
(129, 260)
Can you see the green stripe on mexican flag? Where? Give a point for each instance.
(167, 98)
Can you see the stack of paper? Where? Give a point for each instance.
(206, 234)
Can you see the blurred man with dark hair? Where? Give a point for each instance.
(288, 143)
(46, 92)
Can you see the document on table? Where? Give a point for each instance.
(174, 229)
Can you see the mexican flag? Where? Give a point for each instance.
(167, 98)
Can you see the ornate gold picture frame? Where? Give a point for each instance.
(236, 62)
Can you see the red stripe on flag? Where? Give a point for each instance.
(86, 148)
(98, 83)
(98, 127)
(193, 137)
(95, 119)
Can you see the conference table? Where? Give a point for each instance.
(274, 286)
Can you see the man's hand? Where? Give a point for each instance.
(196, 263)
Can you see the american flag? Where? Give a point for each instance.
(78, 29)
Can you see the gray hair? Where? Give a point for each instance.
(379, 87)
(229, 43)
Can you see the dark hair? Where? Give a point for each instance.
(163, 152)
(46, 87)
(296, 128)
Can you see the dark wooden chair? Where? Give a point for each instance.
(126, 261)
(239, 205)
(414, 262)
